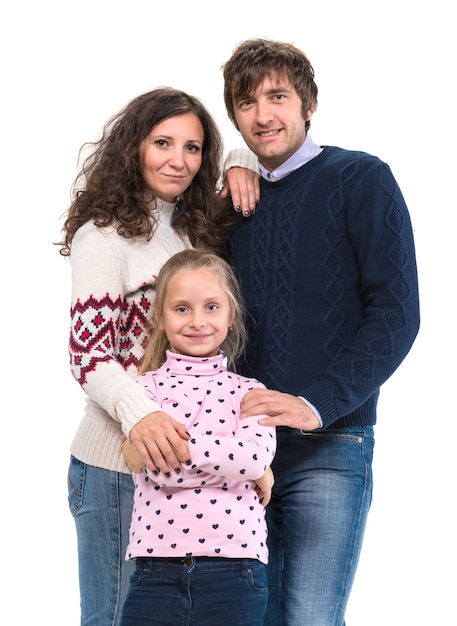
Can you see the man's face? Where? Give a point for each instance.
(271, 121)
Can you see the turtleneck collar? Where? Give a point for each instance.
(164, 212)
(191, 365)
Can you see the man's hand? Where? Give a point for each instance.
(283, 409)
(244, 187)
(161, 442)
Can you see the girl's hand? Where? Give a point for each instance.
(264, 485)
(131, 456)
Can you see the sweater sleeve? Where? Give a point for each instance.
(242, 157)
(245, 456)
(381, 235)
(98, 298)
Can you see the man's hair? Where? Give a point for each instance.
(256, 59)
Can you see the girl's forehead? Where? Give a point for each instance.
(205, 277)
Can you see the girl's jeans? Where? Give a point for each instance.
(196, 591)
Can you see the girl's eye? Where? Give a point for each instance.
(181, 309)
(212, 307)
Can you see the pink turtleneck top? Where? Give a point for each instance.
(211, 507)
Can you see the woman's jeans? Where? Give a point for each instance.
(200, 591)
(316, 521)
(101, 503)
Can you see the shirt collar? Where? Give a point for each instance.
(307, 151)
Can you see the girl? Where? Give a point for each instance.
(146, 191)
(199, 535)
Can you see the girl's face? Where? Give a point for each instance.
(171, 155)
(196, 313)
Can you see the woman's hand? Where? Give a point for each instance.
(243, 185)
(161, 442)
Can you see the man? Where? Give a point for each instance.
(327, 267)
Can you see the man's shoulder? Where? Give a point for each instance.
(344, 155)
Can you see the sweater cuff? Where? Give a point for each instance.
(242, 157)
(132, 408)
(313, 409)
(321, 400)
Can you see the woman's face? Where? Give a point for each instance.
(171, 155)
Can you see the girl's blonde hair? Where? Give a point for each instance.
(193, 259)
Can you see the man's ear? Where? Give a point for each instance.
(310, 113)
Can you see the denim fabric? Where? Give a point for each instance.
(316, 521)
(200, 591)
(101, 503)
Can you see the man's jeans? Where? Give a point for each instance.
(101, 503)
(316, 521)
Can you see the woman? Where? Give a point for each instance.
(146, 191)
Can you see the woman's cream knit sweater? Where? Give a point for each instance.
(112, 297)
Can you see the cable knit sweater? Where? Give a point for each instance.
(327, 267)
(112, 296)
(210, 508)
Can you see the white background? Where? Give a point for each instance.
(386, 77)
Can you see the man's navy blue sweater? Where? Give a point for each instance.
(328, 271)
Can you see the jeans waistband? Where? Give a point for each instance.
(187, 560)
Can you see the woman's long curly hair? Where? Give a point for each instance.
(109, 189)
